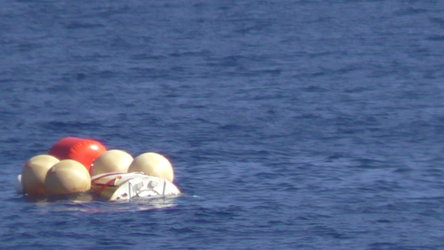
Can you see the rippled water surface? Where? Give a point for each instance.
(291, 124)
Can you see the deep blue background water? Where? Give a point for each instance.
(291, 124)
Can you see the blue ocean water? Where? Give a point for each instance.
(291, 124)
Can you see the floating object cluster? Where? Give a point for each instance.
(79, 165)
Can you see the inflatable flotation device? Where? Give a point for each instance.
(153, 164)
(67, 177)
(112, 161)
(125, 186)
(71, 161)
(32, 179)
(82, 150)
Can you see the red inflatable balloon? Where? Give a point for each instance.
(82, 150)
